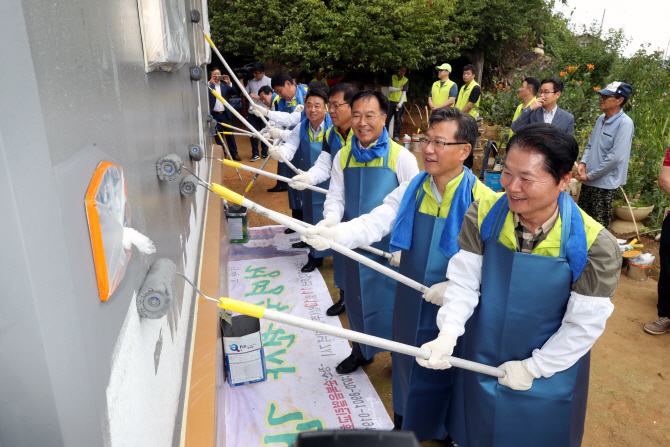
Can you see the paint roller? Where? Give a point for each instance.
(195, 152)
(188, 185)
(230, 304)
(155, 295)
(231, 196)
(169, 167)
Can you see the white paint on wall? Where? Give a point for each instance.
(142, 401)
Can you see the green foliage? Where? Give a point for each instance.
(337, 35)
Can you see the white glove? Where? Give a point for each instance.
(299, 181)
(441, 346)
(299, 108)
(273, 133)
(276, 153)
(259, 110)
(518, 376)
(395, 258)
(435, 294)
(318, 244)
(327, 222)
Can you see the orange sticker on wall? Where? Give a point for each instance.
(108, 213)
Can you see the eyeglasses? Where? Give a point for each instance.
(257, 73)
(544, 92)
(437, 143)
(313, 106)
(369, 119)
(334, 106)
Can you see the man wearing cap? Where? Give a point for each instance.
(604, 165)
(398, 91)
(443, 93)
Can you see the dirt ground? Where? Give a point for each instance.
(629, 395)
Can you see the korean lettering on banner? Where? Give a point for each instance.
(291, 423)
(311, 303)
(337, 399)
(360, 406)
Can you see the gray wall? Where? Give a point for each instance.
(74, 93)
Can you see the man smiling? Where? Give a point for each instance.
(530, 288)
(426, 215)
(364, 173)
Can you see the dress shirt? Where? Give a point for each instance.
(549, 116)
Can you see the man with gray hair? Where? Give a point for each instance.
(604, 165)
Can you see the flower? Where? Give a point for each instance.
(590, 66)
(580, 82)
(595, 89)
(563, 73)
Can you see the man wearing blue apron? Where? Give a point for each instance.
(308, 140)
(545, 271)
(363, 173)
(337, 136)
(424, 217)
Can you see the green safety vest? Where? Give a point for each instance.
(429, 205)
(394, 150)
(395, 96)
(440, 94)
(518, 113)
(322, 80)
(464, 98)
(551, 246)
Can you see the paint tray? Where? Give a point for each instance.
(244, 359)
(236, 215)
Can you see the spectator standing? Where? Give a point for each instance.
(662, 325)
(527, 94)
(218, 110)
(604, 165)
(470, 94)
(253, 86)
(398, 92)
(444, 92)
(545, 109)
(318, 77)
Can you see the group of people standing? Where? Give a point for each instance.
(521, 279)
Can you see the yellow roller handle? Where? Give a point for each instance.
(211, 44)
(249, 187)
(227, 194)
(216, 94)
(233, 305)
(231, 163)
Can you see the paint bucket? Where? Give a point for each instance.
(244, 360)
(238, 227)
(638, 272)
(416, 142)
(492, 180)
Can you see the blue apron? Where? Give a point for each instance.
(312, 200)
(523, 300)
(294, 196)
(368, 294)
(335, 142)
(421, 395)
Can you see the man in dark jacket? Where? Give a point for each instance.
(545, 109)
(219, 111)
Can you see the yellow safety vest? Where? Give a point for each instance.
(429, 204)
(319, 137)
(440, 94)
(395, 96)
(464, 98)
(394, 150)
(518, 111)
(551, 246)
(322, 80)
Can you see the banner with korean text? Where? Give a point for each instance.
(303, 391)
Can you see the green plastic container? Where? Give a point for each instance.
(238, 228)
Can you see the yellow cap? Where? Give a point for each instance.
(231, 163)
(227, 194)
(252, 310)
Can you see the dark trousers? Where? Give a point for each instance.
(230, 139)
(664, 277)
(397, 114)
(597, 203)
(258, 125)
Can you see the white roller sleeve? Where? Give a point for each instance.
(287, 222)
(370, 340)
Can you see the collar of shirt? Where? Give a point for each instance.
(344, 133)
(435, 191)
(316, 131)
(526, 241)
(549, 115)
(617, 115)
(360, 146)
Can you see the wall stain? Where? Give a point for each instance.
(157, 351)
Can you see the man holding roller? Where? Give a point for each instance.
(308, 139)
(337, 136)
(364, 172)
(530, 291)
(424, 217)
